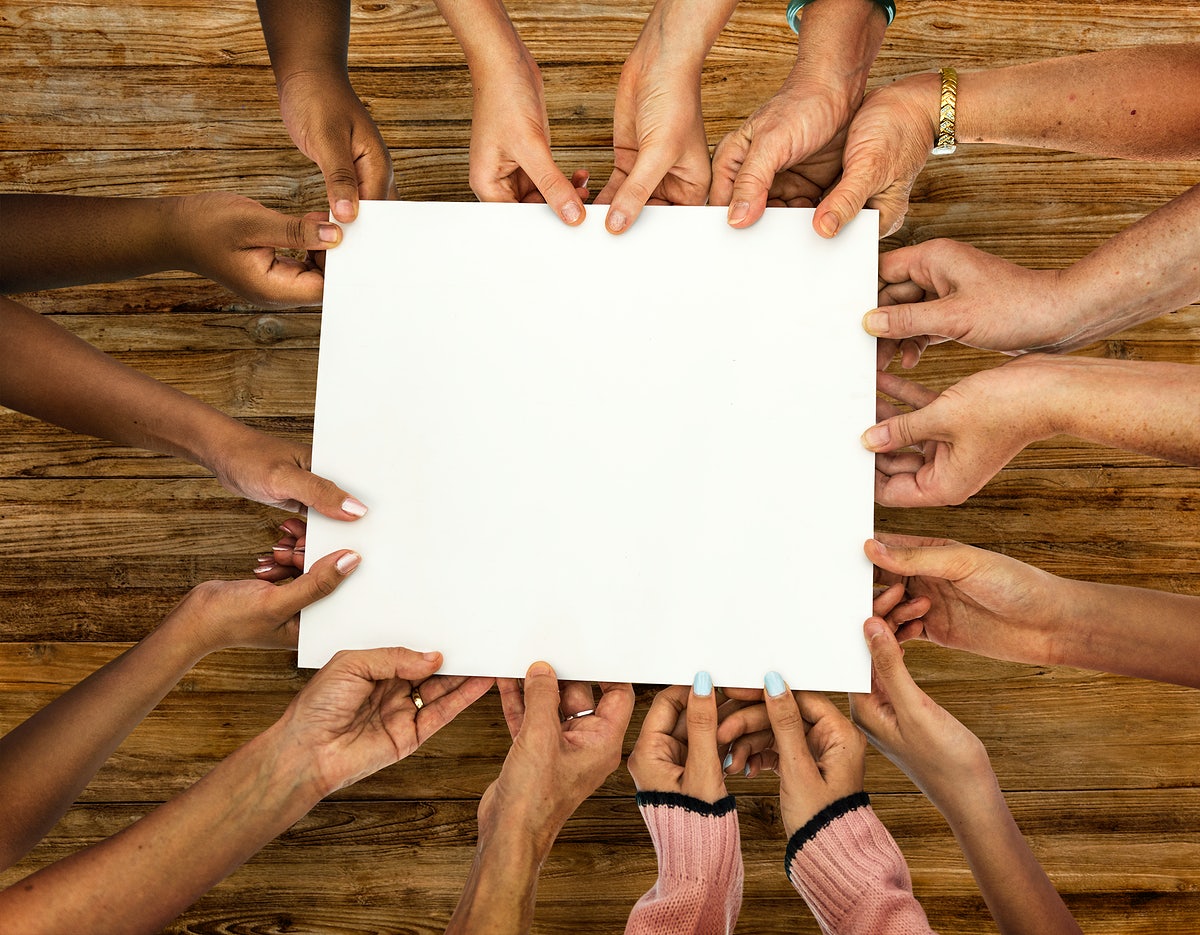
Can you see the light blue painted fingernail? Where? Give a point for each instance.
(727, 762)
(774, 684)
(746, 771)
(702, 684)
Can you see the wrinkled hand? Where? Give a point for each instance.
(357, 714)
(510, 142)
(887, 145)
(554, 764)
(787, 153)
(933, 749)
(942, 290)
(329, 124)
(976, 600)
(278, 473)
(676, 750)
(660, 151)
(258, 614)
(962, 437)
(232, 240)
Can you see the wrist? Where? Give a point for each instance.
(837, 42)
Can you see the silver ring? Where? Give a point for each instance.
(417, 700)
(571, 717)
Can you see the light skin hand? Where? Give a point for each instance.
(676, 750)
(961, 437)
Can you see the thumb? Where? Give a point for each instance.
(541, 697)
(887, 663)
(702, 771)
(336, 161)
(939, 318)
(950, 560)
(902, 431)
(387, 663)
(748, 199)
(863, 176)
(648, 170)
(558, 191)
(321, 580)
(312, 232)
(317, 493)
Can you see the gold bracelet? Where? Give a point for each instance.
(946, 143)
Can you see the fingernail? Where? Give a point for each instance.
(540, 668)
(727, 762)
(430, 657)
(298, 549)
(876, 323)
(746, 771)
(344, 210)
(327, 233)
(829, 225)
(877, 436)
(616, 222)
(571, 212)
(266, 559)
(773, 682)
(738, 211)
(354, 507)
(263, 569)
(702, 685)
(348, 562)
(277, 548)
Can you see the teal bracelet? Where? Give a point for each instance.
(795, 6)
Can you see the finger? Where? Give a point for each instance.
(788, 726)
(950, 560)
(512, 703)
(335, 158)
(445, 700)
(637, 189)
(903, 462)
(575, 697)
(321, 580)
(906, 391)
(836, 744)
(862, 177)
(746, 721)
(553, 186)
(727, 160)
(375, 174)
(616, 704)
(887, 601)
(767, 760)
(319, 494)
(745, 748)
(887, 664)
(702, 775)
(904, 431)
(541, 697)
(665, 711)
(748, 198)
(394, 662)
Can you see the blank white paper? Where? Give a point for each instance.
(635, 457)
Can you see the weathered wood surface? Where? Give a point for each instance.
(97, 541)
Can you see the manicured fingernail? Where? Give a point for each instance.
(263, 569)
(616, 222)
(571, 212)
(266, 559)
(344, 209)
(279, 548)
(876, 323)
(746, 771)
(829, 225)
(298, 549)
(702, 685)
(727, 762)
(354, 507)
(877, 436)
(348, 562)
(773, 682)
(327, 233)
(738, 211)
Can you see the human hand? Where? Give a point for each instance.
(887, 145)
(974, 600)
(554, 764)
(219, 615)
(286, 558)
(945, 760)
(942, 290)
(785, 154)
(278, 473)
(660, 150)
(329, 124)
(232, 240)
(961, 436)
(510, 140)
(676, 750)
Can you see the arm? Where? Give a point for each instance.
(510, 133)
(66, 240)
(950, 765)
(975, 427)
(552, 767)
(47, 761)
(308, 41)
(993, 605)
(692, 820)
(790, 150)
(355, 717)
(660, 150)
(1134, 103)
(52, 375)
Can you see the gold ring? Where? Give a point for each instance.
(416, 698)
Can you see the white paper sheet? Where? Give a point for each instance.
(635, 457)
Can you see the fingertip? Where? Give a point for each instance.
(876, 323)
(702, 685)
(539, 668)
(345, 210)
(877, 437)
(572, 213)
(616, 222)
(433, 657)
(774, 684)
(873, 629)
(827, 224)
(738, 212)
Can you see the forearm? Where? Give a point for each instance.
(141, 878)
(838, 41)
(66, 240)
(306, 37)
(488, 37)
(678, 35)
(1016, 889)
(52, 375)
(1135, 103)
(501, 889)
(46, 762)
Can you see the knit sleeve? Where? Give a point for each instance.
(853, 877)
(699, 886)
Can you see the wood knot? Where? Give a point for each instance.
(267, 329)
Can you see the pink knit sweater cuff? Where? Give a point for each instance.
(854, 878)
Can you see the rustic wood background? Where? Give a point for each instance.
(146, 97)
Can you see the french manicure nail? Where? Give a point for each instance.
(263, 569)
(348, 562)
(738, 211)
(727, 762)
(327, 233)
(773, 682)
(616, 222)
(876, 323)
(702, 685)
(571, 213)
(876, 437)
(354, 507)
